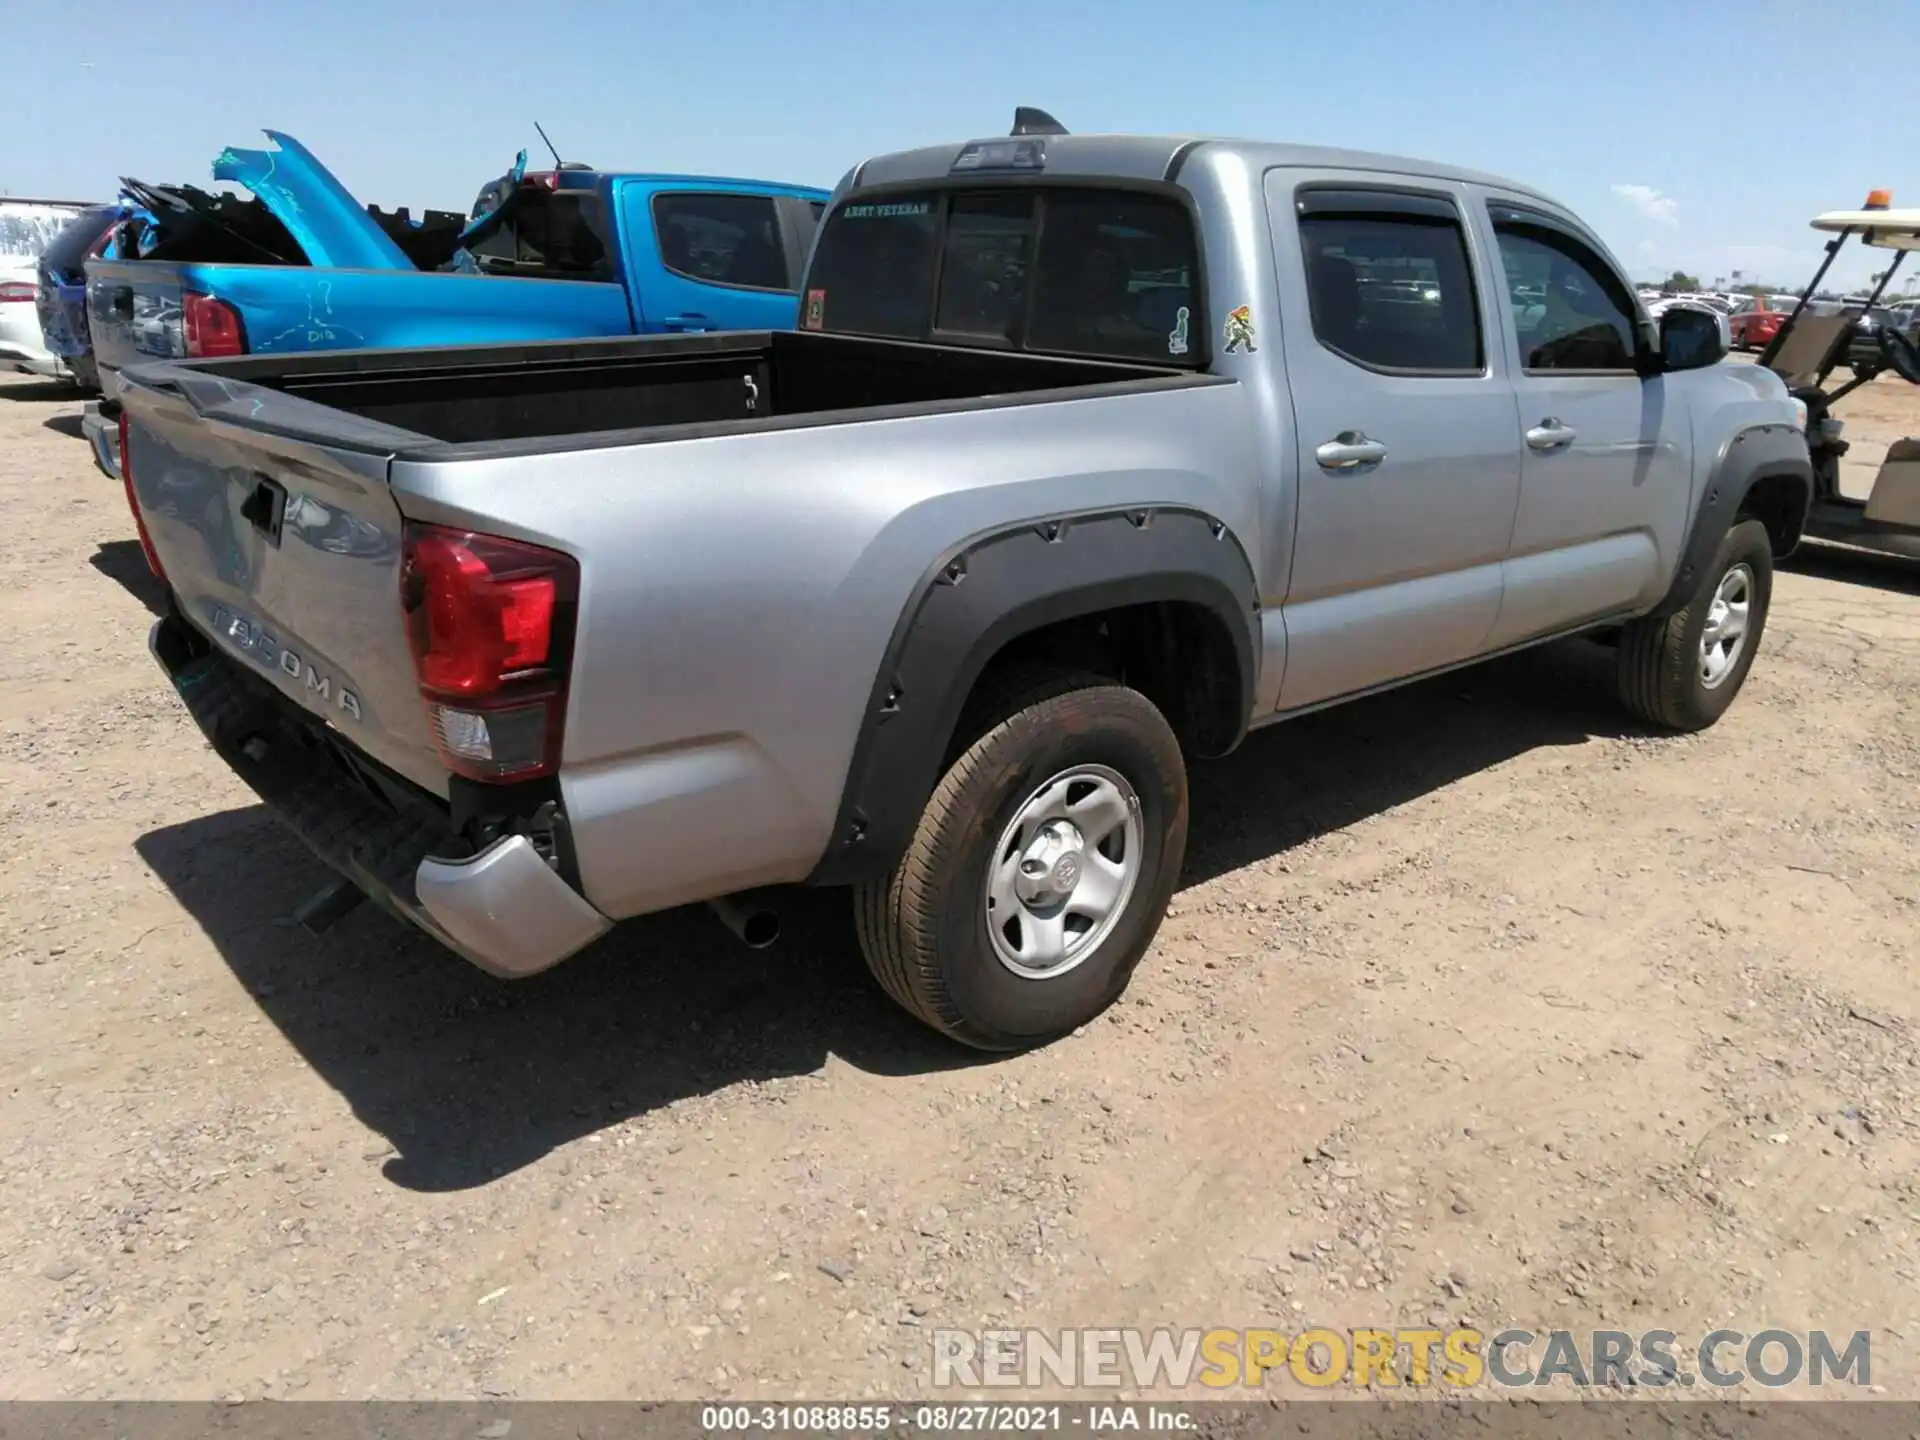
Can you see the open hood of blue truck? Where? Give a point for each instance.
(332, 227)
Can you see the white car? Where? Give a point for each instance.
(27, 227)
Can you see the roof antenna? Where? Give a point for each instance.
(558, 163)
(1030, 120)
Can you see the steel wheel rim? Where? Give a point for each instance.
(1723, 639)
(1063, 872)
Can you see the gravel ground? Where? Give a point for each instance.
(1478, 1006)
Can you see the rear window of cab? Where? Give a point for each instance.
(1067, 271)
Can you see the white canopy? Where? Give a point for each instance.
(1889, 229)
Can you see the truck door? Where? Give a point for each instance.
(1409, 461)
(709, 256)
(1607, 456)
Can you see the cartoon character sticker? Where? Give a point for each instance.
(1239, 329)
(1177, 339)
(816, 315)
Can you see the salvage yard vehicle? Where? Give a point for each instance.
(27, 228)
(304, 266)
(1758, 321)
(1091, 453)
(61, 290)
(1811, 345)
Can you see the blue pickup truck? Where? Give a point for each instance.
(548, 255)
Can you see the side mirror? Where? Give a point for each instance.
(1691, 339)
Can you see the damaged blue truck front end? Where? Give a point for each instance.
(572, 253)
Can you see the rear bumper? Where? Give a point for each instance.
(103, 438)
(21, 344)
(504, 909)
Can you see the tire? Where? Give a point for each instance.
(1663, 674)
(925, 929)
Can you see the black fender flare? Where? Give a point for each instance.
(1759, 452)
(993, 589)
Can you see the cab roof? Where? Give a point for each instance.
(1152, 157)
(576, 179)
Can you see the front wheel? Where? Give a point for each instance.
(1040, 870)
(1682, 671)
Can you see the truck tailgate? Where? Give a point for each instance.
(282, 543)
(133, 315)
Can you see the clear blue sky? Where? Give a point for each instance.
(1659, 122)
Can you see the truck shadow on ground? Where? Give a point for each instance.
(37, 389)
(125, 563)
(65, 425)
(471, 1078)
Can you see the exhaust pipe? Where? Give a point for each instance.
(756, 925)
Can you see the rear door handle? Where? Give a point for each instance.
(1349, 450)
(685, 322)
(1550, 434)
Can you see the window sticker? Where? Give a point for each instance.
(886, 212)
(1239, 329)
(816, 316)
(1177, 340)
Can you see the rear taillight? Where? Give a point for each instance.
(213, 327)
(16, 292)
(490, 623)
(133, 504)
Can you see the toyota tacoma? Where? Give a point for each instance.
(1089, 455)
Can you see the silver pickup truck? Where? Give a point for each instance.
(1090, 453)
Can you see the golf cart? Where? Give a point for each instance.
(1809, 347)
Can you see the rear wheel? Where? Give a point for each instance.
(1682, 671)
(1040, 870)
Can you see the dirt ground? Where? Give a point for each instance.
(1478, 1006)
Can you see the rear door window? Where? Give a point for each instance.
(1394, 291)
(1070, 271)
(722, 239)
(548, 234)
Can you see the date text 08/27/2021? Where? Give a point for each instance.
(1093, 1417)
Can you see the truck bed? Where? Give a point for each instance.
(558, 395)
(358, 444)
(134, 308)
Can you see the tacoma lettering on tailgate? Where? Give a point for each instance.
(248, 637)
